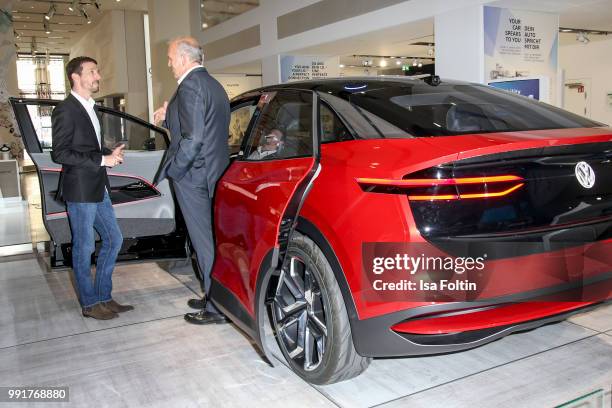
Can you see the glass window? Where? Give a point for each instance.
(41, 77)
(454, 109)
(114, 128)
(284, 128)
(135, 135)
(239, 124)
(332, 128)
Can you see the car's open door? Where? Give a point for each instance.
(259, 196)
(145, 213)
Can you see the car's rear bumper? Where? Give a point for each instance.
(376, 337)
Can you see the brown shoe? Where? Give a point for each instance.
(116, 307)
(98, 311)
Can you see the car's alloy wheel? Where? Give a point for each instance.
(309, 317)
(299, 314)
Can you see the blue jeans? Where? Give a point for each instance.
(84, 217)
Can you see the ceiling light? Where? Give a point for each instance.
(46, 27)
(582, 37)
(420, 64)
(414, 62)
(341, 65)
(383, 63)
(566, 30)
(51, 12)
(204, 25)
(73, 6)
(84, 14)
(398, 62)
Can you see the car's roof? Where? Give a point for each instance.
(343, 85)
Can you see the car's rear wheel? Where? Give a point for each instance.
(310, 319)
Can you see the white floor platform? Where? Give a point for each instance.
(151, 357)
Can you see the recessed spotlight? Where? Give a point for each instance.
(341, 65)
(204, 25)
(51, 12)
(398, 62)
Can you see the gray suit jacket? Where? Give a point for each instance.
(198, 118)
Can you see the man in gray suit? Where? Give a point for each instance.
(198, 118)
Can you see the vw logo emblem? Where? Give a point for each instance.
(585, 174)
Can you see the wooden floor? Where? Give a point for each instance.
(151, 357)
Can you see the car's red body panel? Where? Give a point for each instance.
(478, 320)
(250, 200)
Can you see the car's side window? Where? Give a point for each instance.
(284, 128)
(134, 135)
(115, 128)
(240, 118)
(332, 128)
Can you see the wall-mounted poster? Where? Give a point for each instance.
(535, 88)
(234, 84)
(304, 67)
(520, 44)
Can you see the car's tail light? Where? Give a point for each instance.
(428, 189)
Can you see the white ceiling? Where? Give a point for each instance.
(28, 16)
(66, 26)
(395, 41)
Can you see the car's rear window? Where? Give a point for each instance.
(453, 109)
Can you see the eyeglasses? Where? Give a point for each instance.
(272, 138)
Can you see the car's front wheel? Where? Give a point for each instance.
(310, 318)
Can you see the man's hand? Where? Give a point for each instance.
(160, 114)
(115, 158)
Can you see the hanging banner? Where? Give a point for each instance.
(522, 45)
(304, 67)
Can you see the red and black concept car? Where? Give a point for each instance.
(322, 169)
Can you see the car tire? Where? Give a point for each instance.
(306, 298)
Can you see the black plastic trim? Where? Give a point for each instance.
(307, 228)
(227, 302)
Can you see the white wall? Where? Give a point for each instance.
(459, 38)
(105, 42)
(593, 61)
(266, 15)
(116, 41)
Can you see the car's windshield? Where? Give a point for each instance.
(421, 110)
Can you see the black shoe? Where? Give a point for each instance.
(198, 304)
(204, 317)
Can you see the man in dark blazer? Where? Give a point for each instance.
(84, 186)
(198, 120)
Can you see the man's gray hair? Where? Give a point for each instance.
(189, 46)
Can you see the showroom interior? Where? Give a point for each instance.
(151, 356)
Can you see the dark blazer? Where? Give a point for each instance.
(198, 118)
(75, 147)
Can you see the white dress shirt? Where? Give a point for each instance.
(89, 104)
(187, 73)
